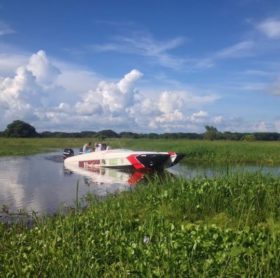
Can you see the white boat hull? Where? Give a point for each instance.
(119, 158)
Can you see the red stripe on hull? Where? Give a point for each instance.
(135, 162)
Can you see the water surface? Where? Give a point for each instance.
(40, 183)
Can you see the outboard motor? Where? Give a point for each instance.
(67, 153)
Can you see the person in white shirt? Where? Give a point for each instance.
(100, 147)
(87, 148)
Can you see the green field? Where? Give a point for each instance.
(227, 226)
(196, 150)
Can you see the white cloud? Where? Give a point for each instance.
(217, 120)
(277, 125)
(239, 124)
(256, 86)
(43, 70)
(5, 29)
(38, 94)
(109, 98)
(258, 72)
(126, 83)
(75, 78)
(261, 126)
(169, 106)
(10, 62)
(23, 95)
(237, 50)
(275, 88)
(169, 102)
(270, 27)
(121, 105)
(198, 117)
(145, 45)
(196, 100)
(15, 95)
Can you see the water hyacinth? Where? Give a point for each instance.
(227, 226)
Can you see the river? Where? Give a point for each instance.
(40, 183)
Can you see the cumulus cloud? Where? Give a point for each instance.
(270, 28)
(37, 93)
(23, 95)
(109, 98)
(17, 93)
(169, 106)
(10, 62)
(76, 80)
(43, 70)
(198, 117)
(126, 83)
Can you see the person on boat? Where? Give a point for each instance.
(87, 148)
(96, 147)
(100, 147)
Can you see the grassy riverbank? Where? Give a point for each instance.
(28, 146)
(196, 150)
(228, 226)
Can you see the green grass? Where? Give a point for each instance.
(214, 151)
(227, 226)
(198, 151)
(24, 146)
(223, 227)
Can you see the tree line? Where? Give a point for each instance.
(25, 130)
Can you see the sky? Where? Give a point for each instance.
(141, 66)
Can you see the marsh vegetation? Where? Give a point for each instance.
(202, 151)
(204, 227)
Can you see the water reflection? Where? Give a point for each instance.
(40, 183)
(106, 177)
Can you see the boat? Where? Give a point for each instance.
(122, 159)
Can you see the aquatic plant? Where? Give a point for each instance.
(227, 226)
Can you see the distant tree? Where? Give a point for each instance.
(127, 134)
(107, 134)
(212, 133)
(153, 135)
(87, 133)
(46, 134)
(268, 136)
(20, 129)
(249, 138)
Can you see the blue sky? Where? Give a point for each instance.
(144, 66)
